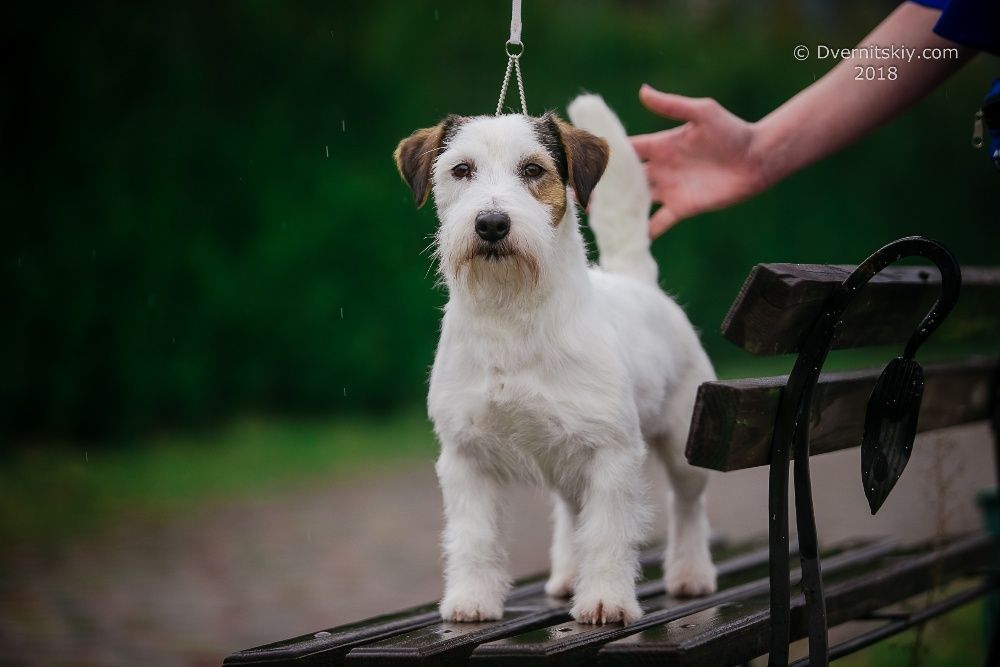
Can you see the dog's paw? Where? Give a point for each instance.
(464, 608)
(604, 609)
(559, 586)
(689, 578)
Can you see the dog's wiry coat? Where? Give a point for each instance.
(551, 371)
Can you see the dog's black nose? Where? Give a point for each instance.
(492, 226)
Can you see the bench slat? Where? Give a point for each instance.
(735, 634)
(328, 647)
(778, 303)
(573, 643)
(452, 643)
(331, 646)
(733, 419)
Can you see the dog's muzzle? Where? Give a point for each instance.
(492, 226)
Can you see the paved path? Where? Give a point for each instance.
(189, 589)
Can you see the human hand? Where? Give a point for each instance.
(705, 164)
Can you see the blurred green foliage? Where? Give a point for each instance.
(202, 217)
(953, 640)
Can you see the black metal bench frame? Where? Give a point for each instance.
(791, 434)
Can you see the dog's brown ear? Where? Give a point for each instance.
(414, 159)
(415, 156)
(586, 159)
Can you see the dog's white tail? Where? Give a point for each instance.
(619, 205)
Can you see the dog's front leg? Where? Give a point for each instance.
(476, 580)
(610, 527)
(563, 552)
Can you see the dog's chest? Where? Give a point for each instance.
(524, 406)
(530, 400)
(522, 423)
(520, 408)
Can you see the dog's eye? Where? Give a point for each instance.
(461, 170)
(532, 170)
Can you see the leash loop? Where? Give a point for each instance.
(514, 49)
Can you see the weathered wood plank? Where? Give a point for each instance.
(778, 303)
(331, 646)
(576, 644)
(733, 419)
(328, 647)
(733, 634)
(452, 643)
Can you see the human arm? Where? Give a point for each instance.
(715, 159)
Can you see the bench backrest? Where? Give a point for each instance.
(811, 309)
(734, 419)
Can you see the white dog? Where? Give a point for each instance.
(552, 371)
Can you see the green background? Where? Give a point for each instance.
(214, 283)
(202, 217)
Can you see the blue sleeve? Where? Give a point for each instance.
(972, 23)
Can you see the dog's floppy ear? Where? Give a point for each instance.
(415, 157)
(586, 158)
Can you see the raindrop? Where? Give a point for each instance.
(343, 125)
(345, 392)
(437, 15)
(321, 634)
(341, 312)
(565, 629)
(689, 625)
(86, 456)
(328, 150)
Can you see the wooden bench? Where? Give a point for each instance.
(781, 309)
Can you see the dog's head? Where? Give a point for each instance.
(500, 186)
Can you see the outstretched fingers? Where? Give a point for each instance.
(643, 144)
(662, 220)
(677, 107)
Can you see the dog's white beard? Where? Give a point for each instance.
(508, 275)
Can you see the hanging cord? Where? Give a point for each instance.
(514, 49)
